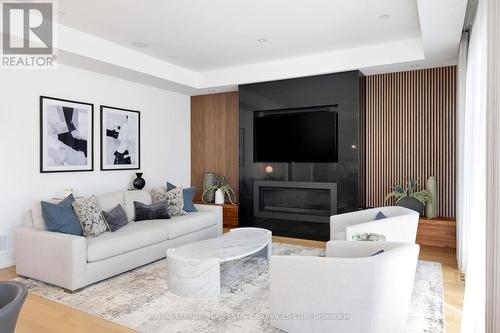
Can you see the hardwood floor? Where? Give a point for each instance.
(43, 316)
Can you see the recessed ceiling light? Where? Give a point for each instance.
(140, 44)
(384, 16)
(262, 40)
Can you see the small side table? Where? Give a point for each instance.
(230, 213)
(368, 237)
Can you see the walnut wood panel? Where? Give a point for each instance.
(410, 132)
(440, 232)
(231, 216)
(214, 138)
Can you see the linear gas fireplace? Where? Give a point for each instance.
(299, 201)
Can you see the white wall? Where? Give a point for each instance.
(165, 138)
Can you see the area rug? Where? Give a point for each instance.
(140, 299)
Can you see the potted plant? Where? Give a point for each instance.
(409, 196)
(221, 189)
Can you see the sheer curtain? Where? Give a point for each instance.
(472, 165)
(461, 195)
(493, 172)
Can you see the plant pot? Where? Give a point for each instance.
(139, 182)
(411, 203)
(431, 207)
(219, 197)
(209, 179)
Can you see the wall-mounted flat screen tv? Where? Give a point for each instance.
(296, 135)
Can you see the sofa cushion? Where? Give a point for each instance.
(108, 201)
(157, 225)
(131, 237)
(182, 225)
(130, 197)
(185, 224)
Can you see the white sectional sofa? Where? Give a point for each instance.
(73, 262)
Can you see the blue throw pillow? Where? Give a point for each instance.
(170, 186)
(377, 253)
(380, 216)
(61, 217)
(188, 195)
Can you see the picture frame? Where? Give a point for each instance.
(120, 134)
(66, 135)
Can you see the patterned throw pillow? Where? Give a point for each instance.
(89, 215)
(174, 198)
(188, 195)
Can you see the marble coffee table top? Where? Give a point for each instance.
(236, 244)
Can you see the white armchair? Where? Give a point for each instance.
(400, 224)
(348, 291)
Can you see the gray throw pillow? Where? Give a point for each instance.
(155, 211)
(89, 214)
(116, 218)
(174, 198)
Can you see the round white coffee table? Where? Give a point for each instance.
(194, 268)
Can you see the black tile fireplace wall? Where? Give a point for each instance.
(341, 89)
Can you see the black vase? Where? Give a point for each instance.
(411, 203)
(139, 182)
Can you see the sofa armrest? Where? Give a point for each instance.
(52, 257)
(215, 209)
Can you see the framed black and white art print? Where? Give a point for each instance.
(120, 139)
(66, 131)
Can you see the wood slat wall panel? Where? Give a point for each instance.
(214, 138)
(410, 131)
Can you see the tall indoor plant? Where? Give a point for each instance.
(408, 195)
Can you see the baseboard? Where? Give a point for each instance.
(6, 258)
